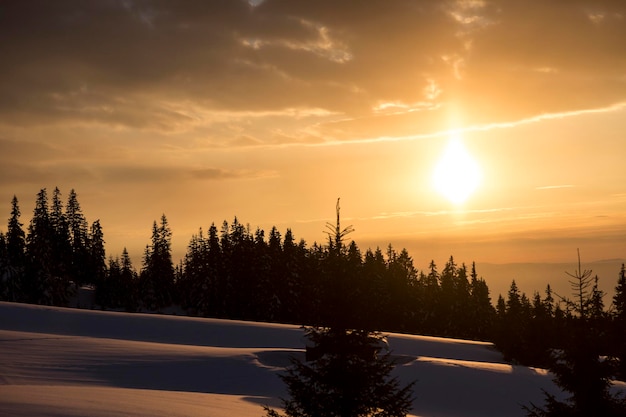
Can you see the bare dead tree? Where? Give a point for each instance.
(581, 284)
(335, 233)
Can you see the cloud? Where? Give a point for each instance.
(552, 187)
(223, 174)
(390, 68)
(405, 214)
(174, 174)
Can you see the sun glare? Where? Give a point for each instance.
(457, 175)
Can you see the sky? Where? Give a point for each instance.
(271, 110)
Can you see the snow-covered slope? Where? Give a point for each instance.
(69, 362)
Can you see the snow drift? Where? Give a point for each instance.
(70, 362)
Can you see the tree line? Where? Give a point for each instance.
(237, 273)
(59, 252)
(234, 272)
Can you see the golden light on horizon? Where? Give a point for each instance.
(457, 174)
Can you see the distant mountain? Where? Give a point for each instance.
(531, 277)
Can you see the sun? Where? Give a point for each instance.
(457, 174)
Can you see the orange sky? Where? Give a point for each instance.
(270, 110)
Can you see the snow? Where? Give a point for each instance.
(71, 362)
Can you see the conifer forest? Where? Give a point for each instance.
(233, 271)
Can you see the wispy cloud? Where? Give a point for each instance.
(410, 214)
(322, 43)
(475, 128)
(552, 187)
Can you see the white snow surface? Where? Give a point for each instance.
(71, 362)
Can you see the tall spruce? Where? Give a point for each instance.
(15, 261)
(61, 250)
(348, 375)
(5, 272)
(480, 311)
(41, 284)
(292, 283)
(402, 284)
(511, 324)
(191, 285)
(129, 280)
(157, 275)
(78, 230)
(214, 267)
(619, 324)
(118, 288)
(431, 301)
(96, 254)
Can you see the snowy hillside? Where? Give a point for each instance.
(69, 362)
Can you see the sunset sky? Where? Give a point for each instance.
(271, 110)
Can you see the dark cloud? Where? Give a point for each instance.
(13, 148)
(27, 173)
(173, 174)
(137, 64)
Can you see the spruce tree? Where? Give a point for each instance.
(214, 268)
(129, 292)
(431, 301)
(157, 275)
(292, 284)
(373, 304)
(4, 269)
(61, 248)
(619, 324)
(39, 281)
(347, 376)
(242, 278)
(402, 284)
(511, 324)
(96, 255)
(480, 311)
(273, 284)
(78, 230)
(448, 306)
(117, 289)
(15, 263)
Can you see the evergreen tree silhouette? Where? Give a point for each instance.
(5, 270)
(130, 279)
(193, 286)
(619, 324)
(96, 256)
(431, 301)
(374, 302)
(349, 378)
(41, 285)
(402, 284)
(512, 325)
(61, 250)
(479, 310)
(78, 229)
(15, 257)
(157, 275)
(118, 289)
